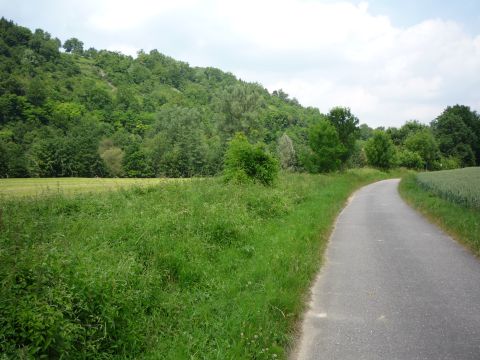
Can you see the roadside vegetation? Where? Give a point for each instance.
(450, 198)
(199, 268)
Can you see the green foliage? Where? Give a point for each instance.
(326, 147)
(245, 162)
(410, 160)
(459, 186)
(458, 132)
(380, 150)
(400, 135)
(423, 143)
(358, 158)
(347, 128)
(136, 163)
(448, 163)
(178, 118)
(73, 45)
(155, 272)
(58, 106)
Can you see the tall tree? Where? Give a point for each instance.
(286, 153)
(327, 150)
(347, 128)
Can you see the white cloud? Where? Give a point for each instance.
(115, 15)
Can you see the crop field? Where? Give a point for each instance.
(187, 270)
(49, 186)
(460, 186)
(450, 199)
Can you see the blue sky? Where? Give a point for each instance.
(411, 12)
(389, 61)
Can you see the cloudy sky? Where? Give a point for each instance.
(389, 61)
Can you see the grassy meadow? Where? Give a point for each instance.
(449, 198)
(182, 270)
(28, 187)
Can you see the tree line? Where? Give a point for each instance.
(70, 111)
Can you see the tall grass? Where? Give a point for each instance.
(193, 270)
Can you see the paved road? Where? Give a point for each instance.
(393, 287)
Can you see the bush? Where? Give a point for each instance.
(245, 162)
(380, 150)
(410, 159)
(447, 163)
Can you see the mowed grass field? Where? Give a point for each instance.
(69, 186)
(197, 269)
(450, 198)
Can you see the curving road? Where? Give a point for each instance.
(393, 286)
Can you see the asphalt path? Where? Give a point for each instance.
(393, 286)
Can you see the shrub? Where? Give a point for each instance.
(245, 162)
(380, 150)
(447, 163)
(424, 144)
(410, 159)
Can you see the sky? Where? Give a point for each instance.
(389, 61)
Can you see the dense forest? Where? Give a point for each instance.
(70, 111)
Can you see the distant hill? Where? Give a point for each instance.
(88, 112)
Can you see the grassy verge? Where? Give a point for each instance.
(461, 222)
(190, 270)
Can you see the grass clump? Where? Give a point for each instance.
(446, 209)
(198, 269)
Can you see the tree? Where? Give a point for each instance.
(347, 128)
(178, 144)
(424, 144)
(240, 105)
(112, 156)
(358, 158)
(457, 130)
(74, 46)
(399, 136)
(136, 163)
(380, 150)
(327, 150)
(245, 162)
(286, 153)
(365, 132)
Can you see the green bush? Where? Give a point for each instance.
(447, 163)
(380, 150)
(245, 162)
(410, 159)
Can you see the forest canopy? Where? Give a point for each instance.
(70, 111)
